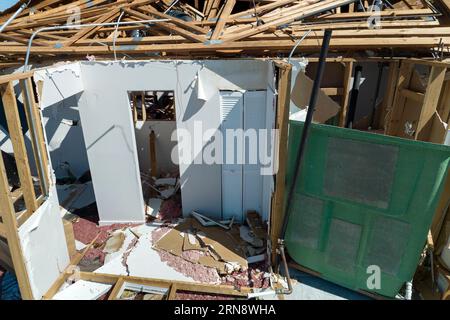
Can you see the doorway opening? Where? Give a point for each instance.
(154, 120)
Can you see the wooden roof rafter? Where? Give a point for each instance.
(216, 27)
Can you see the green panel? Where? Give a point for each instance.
(362, 199)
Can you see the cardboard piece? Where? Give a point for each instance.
(326, 108)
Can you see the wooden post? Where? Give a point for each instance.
(144, 111)
(283, 104)
(135, 113)
(153, 163)
(431, 99)
(346, 88)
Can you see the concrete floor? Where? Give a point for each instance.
(309, 287)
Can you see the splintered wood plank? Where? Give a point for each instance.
(18, 142)
(221, 22)
(153, 162)
(346, 92)
(12, 235)
(431, 99)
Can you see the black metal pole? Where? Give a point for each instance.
(354, 97)
(306, 126)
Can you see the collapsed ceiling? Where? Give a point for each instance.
(218, 28)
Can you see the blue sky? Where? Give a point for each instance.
(5, 4)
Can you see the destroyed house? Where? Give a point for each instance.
(170, 150)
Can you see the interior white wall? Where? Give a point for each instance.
(110, 135)
(163, 144)
(62, 89)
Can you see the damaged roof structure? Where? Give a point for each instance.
(170, 150)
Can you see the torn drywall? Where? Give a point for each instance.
(44, 246)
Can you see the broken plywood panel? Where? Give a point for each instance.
(326, 108)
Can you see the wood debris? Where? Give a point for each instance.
(218, 28)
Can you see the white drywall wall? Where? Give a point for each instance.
(62, 88)
(110, 136)
(44, 245)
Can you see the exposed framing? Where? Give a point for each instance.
(118, 281)
(425, 110)
(10, 219)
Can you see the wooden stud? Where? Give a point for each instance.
(18, 142)
(282, 119)
(153, 161)
(114, 295)
(220, 25)
(12, 235)
(346, 92)
(431, 98)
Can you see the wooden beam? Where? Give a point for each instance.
(116, 289)
(168, 26)
(346, 92)
(282, 119)
(431, 99)
(181, 285)
(221, 22)
(86, 32)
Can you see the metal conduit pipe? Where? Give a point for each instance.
(79, 26)
(11, 19)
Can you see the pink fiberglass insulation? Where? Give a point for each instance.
(184, 295)
(85, 231)
(253, 277)
(170, 210)
(195, 271)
